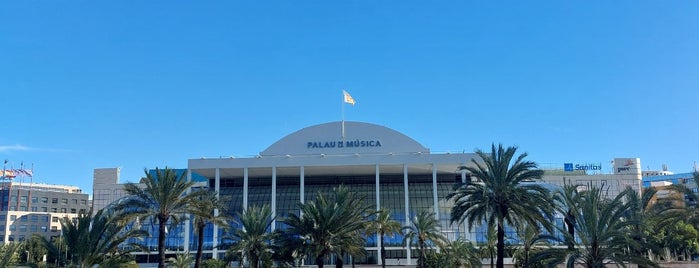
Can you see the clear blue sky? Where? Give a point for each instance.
(140, 84)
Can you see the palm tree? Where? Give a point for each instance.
(162, 195)
(330, 225)
(602, 233)
(504, 195)
(181, 260)
(489, 248)
(423, 230)
(462, 253)
(253, 240)
(203, 211)
(532, 242)
(104, 239)
(384, 225)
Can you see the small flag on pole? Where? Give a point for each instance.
(348, 98)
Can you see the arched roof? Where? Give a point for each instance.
(359, 137)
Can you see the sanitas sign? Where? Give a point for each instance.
(343, 144)
(569, 167)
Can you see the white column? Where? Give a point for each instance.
(245, 189)
(407, 207)
(187, 226)
(302, 194)
(434, 192)
(217, 187)
(274, 197)
(378, 206)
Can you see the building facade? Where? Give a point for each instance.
(388, 168)
(36, 208)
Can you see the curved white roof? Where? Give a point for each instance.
(359, 137)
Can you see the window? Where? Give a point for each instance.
(34, 209)
(54, 210)
(13, 227)
(72, 210)
(82, 211)
(54, 200)
(13, 199)
(74, 201)
(83, 202)
(35, 218)
(23, 199)
(63, 210)
(44, 200)
(13, 208)
(13, 217)
(11, 238)
(35, 199)
(46, 218)
(54, 229)
(2, 228)
(2, 217)
(24, 218)
(44, 209)
(54, 219)
(21, 238)
(33, 229)
(64, 201)
(44, 229)
(23, 208)
(23, 228)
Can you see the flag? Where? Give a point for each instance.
(348, 98)
(8, 173)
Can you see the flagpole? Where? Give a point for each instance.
(31, 186)
(343, 115)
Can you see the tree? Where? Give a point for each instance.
(602, 233)
(253, 240)
(8, 254)
(489, 248)
(203, 211)
(424, 229)
(181, 260)
(505, 194)
(162, 195)
(531, 242)
(460, 253)
(104, 239)
(383, 225)
(330, 225)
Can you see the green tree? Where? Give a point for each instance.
(330, 225)
(602, 233)
(504, 194)
(9, 254)
(489, 248)
(424, 229)
(531, 242)
(162, 195)
(383, 225)
(181, 260)
(203, 210)
(253, 240)
(460, 253)
(103, 239)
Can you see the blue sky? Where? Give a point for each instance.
(140, 84)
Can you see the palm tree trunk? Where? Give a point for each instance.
(421, 260)
(501, 246)
(383, 253)
(161, 242)
(319, 261)
(340, 261)
(200, 245)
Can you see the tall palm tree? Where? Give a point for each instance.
(504, 194)
(203, 211)
(162, 195)
(103, 239)
(602, 234)
(424, 229)
(330, 225)
(383, 225)
(253, 240)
